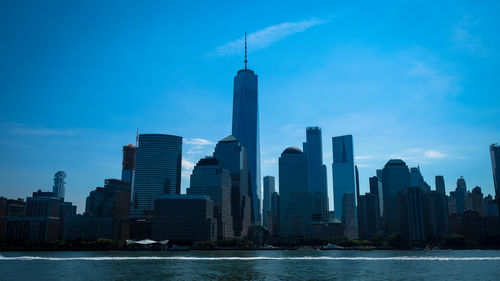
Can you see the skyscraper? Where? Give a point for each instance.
(246, 129)
(158, 170)
(440, 185)
(495, 165)
(369, 216)
(267, 201)
(294, 198)
(342, 172)
(128, 163)
(460, 195)
(411, 215)
(211, 179)
(376, 189)
(59, 184)
(395, 177)
(233, 157)
(313, 149)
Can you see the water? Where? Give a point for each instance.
(252, 265)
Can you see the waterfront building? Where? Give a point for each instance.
(158, 170)
(376, 189)
(342, 172)
(349, 216)
(275, 214)
(440, 187)
(490, 206)
(211, 179)
(495, 165)
(369, 216)
(128, 163)
(313, 149)
(233, 157)
(411, 208)
(437, 219)
(395, 177)
(184, 217)
(246, 129)
(267, 201)
(476, 200)
(295, 199)
(460, 195)
(59, 184)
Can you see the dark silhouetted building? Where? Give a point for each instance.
(267, 201)
(490, 206)
(211, 179)
(495, 165)
(313, 149)
(184, 217)
(246, 130)
(369, 216)
(59, 184)
(376, 189)
(233, 157)
(275, 214)
(460, 195)
(436, 215)
(295, 199)
(476, 200)
(440, 187)
(158, 170)
(128, 163)
(411, 208)
(395, 177)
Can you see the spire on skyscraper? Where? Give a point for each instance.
(246, 51)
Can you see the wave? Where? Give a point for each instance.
(131, 258)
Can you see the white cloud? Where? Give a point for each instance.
(466, 39)
(363, 157)
(26, 130)
(187, 165)
(198, 141)
(434, 154)
(267, 36)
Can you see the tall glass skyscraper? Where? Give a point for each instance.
(495, 165)
(295, 199)
(440, 185)
(158, 170)
(59, 184)
(342, 172)
(267, 200)
(246, 129)
(395, 177)
(313, 149)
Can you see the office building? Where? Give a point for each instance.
(233, 157)
(184, 218)
(437, 219)
(411, 208)
(460, 195)
(246, 129)
(267, 201)
(440, 185)
(476, 201)
(211, 179)
(158, 170)
(313, 149)
(128, 163)
(295, 199)
(59, 184)
(495, 165)
(342, 172)
(369, 216)
(376, 189)
(275, 214)
(349, 216)
(395, 177)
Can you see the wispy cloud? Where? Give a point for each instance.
(27, 130)
(434, 154)
(197, 141)
(267, 36)
(363, 157)
(466, 39)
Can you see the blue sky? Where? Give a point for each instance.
(417, 81)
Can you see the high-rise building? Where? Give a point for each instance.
(440, 185)
(128, 163)
(267, 201)
(233, 157)
(343, 172)
(460, 195)
(275, 214)
(476, 201)
(495, 165)
(369, 216)
(437, 219)
(184, 217)
(295, 199)
(349, 216)
(395, 177)
(211, 179)
(411, 208)
(313, 149)
(376, 189)
(246, 129)
(59, 184)
(158, 170)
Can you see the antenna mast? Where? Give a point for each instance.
(246, 51)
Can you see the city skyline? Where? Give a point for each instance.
(449, 133)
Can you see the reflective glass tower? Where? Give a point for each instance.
(246, 129)
(59, 184)
(343, 172)
(158, 169)
(313, 149)
(495, 165)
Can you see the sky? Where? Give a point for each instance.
(413, 80)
